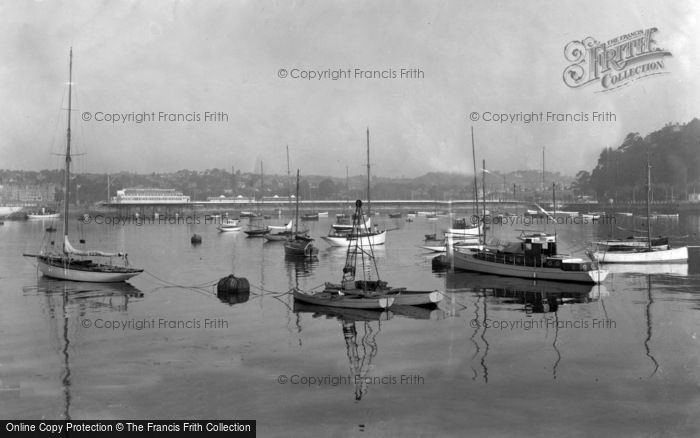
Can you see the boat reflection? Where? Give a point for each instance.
(86, 296)
(538, 296)
(301, 266)
(341, 313)
(360, 345)
(231, 297)
(649, 323)
(489, 294)
(428, 312)
(62, 299)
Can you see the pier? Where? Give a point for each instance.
(280, 205)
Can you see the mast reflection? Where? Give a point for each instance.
(75, 300)
(525, 296)
(360, 352)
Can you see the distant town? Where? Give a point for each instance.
(673, 153)
(219, 185)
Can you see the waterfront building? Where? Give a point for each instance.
(150, 196)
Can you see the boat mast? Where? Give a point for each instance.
(648, 200)
(483, 193)
(554, 208)
(296, 215)
(543, 183)
(289, 177)
(262, 188)
(369, 213)
(476, 187)
(66, 197)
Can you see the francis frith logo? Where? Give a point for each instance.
(616, 62)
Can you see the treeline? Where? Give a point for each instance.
(621, 173)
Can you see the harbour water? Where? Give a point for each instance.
(497, 357)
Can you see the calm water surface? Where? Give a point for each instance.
(497, 357)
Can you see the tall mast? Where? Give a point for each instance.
(369, 213)
(296, 214)
(554, 208)
(66, 196)
(483, 193)
(289, 177)
(543, 183)
(476, 187)
(648, 200)
(262, 187)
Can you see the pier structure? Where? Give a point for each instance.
(282, 206)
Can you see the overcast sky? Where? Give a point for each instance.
(190, 57)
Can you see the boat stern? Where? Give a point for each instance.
(385, 303)
(598, 275)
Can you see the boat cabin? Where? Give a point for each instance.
(539, 244)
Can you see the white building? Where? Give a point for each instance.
(150, 196)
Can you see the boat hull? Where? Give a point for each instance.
(280, 228)
(330, 299)
(660, 256)
(366, 240)
(67, 272)
(300, 248)
(443, 248)
(43, 216)
(228, 228)
(401, 296)
(416, 298)
(461, 232)
(468, 262)
(256, 233)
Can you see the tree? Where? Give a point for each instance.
(326, 189)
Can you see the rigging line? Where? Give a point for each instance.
(200, 291)
(277, 297)
(168, 283)
(268, 292)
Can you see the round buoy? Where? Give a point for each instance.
(233, 290)
(196, 238)
(233, 284)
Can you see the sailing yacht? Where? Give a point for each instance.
(649, 252)
(348, 236)
(69, 263)
(299, 244)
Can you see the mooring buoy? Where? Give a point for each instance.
(233, 290)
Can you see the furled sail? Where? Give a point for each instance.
(68, 249)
